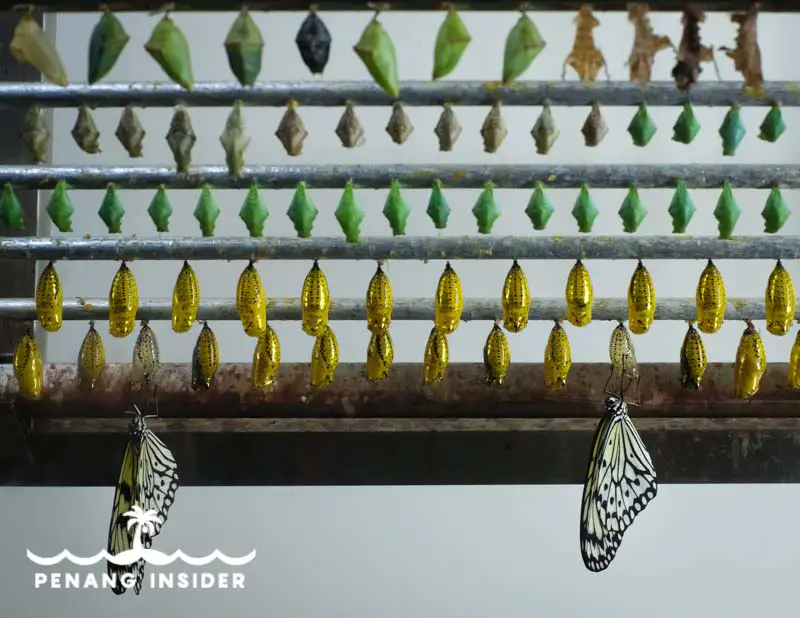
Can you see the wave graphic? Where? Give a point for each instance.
(150, 556)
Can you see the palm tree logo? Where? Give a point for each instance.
(142, 522)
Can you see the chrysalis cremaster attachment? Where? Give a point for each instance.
(493, 130)
(49, 299)
(244, 46)
(266, 360)
(31, 45)
(349, 130)
(496, 356)
(85, 132)
(130, 132)
(516, 299)
(376, 50)
(523, 44)
(185, 299)
(28, 366)
(91, 359)
(123, 303)
(146, 358)
(181, 139)
(399, 127)
(379, 302)
(35, 134)
(315, 301)
(557, 359)
(251, 302)
(170, 49)
(291, 130)
(235, 140)
(447, 129)
(205, 359)
(751, 363)
(452, 40)
(314, 42)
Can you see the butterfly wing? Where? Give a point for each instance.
(158, 477)
(598, 544)
(626, 477)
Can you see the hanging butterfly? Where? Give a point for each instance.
(148, 479)
(620, 483)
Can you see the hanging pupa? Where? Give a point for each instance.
(60, 208)
(449, 301)
(313, 40)
(291, 130)
(732, 131)
(105, 46)
(496, 356)
(111, 210)
(379, 302)
(235, 140)
(438, 208)
(780, 301)
(302, 211)
(751, 363)
(436, 358)
(642, 128)
(595, 127)
(692, 359)
(380, 355)
(185, 299)
(205, 359)
(244, 46)
(493, 130)
(266, 360)
(254, 212)
(485, 209)
(160, 210)
(349, 130)
(324, 358)
(773, 125)
(727, 212)
(641, 301)
(622, 354)
(632, 212)
(579, 295)
(516, 299)
(170, 49)
(399, 127)
(11, 212)
(544, 131)
(539, 209)
(31, 45)
(181, 139)
(35, 134)
(123, 303)
(146, 357)
(315, 301)
(557, 358)
(793, 376)
(251, 302)
(710, 299)
(584, 211)
(85, 132)
(28, 366)
(130, 132)
(775, 213)
(452, 40)
(523, 44)
(396, 210)
(349, 214)
(447, 129)
(686, 127)
(376, 50)
(207, 211)
(91, 359)
(681, 208)
(49, 299)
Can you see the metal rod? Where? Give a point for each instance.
(414, 5)
(415, 309)
(411, 176)
(412, 93)
(405, 248)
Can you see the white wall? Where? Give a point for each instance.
(445, 552)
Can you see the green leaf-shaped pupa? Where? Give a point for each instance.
(451, 42)
(773, 126)
(539, 209)
(438, 208)
(376, 50)
(727, 212)
(687, 126)
(523, 44)
(111, 211)
(642, 128)
(302, 211)
(732, 131)
(632, 212)
(207, 211)
(254, 212)
(775, 212)
(349, 214)
(105, 46)
(485, 209)
(396, 210)
(584, 210)
(244, 46)
(60, 207)
(11, 210)
(169, 48)
(681, 209)
(160, 210)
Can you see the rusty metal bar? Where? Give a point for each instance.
(412, 93)
(405, 248)
(411, 176)
(414, 309)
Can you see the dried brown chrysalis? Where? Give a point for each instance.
(85, 132)
(585, 58)
(595, 127)
(181, 139)
(746, 55)
(399, 127)
(447, 129)
(130, 132)
(35, 134)
(691, 51)
(494, 129)
(646, 44)
(291, 130)
(349, 129)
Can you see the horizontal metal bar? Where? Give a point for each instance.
(674, 247)
(411, 176)
(412, 93)
(405, 309)
(412, 5)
